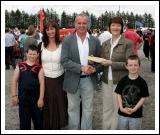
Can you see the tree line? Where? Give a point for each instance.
(23, 20)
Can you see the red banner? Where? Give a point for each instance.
(42, 16)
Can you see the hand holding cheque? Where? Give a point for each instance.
(100, 60)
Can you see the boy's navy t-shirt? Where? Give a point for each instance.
(28, 84)
(132, 91)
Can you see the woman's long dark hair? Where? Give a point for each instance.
(45, 38)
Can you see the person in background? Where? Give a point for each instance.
(94, 33)
(30, 78)
(38, 36)
(10, 42)
(16, 33)
(134, 37)
(147, 43)
(139, 32)
(116, 51)
(152, 51)
(22, 38)
(132, 91)
(30, 40)
(105, 35)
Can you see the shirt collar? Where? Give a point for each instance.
(87, 35)
(116, 42)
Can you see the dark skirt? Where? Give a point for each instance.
(55, 104)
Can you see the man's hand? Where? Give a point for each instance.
(106, 63)
(88, 69)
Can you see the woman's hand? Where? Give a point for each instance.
(106, 63)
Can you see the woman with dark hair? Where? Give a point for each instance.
(116, 50)
(55, 99)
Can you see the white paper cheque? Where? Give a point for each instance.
(96, 59)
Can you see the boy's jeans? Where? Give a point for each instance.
(127, 123)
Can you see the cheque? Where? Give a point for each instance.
(96, 59)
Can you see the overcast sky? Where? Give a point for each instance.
(97, 8)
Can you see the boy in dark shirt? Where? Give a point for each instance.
(131, 93)
(30, 78)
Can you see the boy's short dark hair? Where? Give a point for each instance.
(133, 57)
(32, 47)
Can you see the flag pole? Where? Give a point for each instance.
(42, 17)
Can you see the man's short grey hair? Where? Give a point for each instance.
(83, 15)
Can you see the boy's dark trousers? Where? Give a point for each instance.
(28, 112)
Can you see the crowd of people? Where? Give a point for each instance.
(54, 84)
